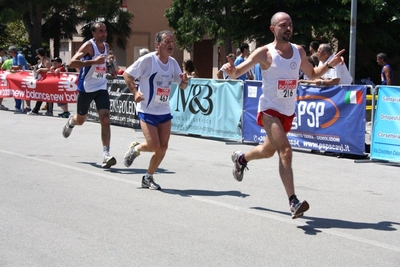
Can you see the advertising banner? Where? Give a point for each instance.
(385, 143)
(251, 131)
(208, 107)
(330, 119)
(122, 107)
(327, 118)
(46, 87)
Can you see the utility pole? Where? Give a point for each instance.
(353, 34)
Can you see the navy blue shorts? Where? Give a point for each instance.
(154, 119)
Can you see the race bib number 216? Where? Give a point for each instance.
(287, 88)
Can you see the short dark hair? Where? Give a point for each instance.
(314, 45)
(327, 48)
(57, 59)
(243, 47)
(41, 51)
(95, 24)
(382, 56)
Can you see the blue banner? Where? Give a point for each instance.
(385, 143)
(208, 107)
(251, 131)
(330, 119)
(327, 119)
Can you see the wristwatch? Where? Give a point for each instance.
(322, 82)
(328, 66)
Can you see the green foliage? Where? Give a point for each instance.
(61, 17)
(232, 21)
(13, 34)
(117, 22)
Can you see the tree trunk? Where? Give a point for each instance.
(33, 23)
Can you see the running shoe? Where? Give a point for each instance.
(67, 129)
(131, 154)
(150, 183)
(108, 161)
(298, 208)
(49, 113)
(238, 169)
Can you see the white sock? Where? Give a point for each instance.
(106, 151)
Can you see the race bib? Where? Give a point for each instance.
(99, 72)
(162, 95)
(286, 88)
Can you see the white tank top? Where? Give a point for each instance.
(280, 82)
(93, 78)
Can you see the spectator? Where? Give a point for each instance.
(2, 59)
(257, 72)
(143, 52)
(7, 64)
(221, 74)
(244, 52)
(338, 74)
(56, 69)
(189, 68)
(43, 67)
(112, 65)
(387, 72)
(313, 52)
(19, 63)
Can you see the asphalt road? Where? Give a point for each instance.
(58, 207)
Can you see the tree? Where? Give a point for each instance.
(194, 19)
(232, 22)
(62, 17)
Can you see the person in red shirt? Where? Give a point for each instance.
(57, 68)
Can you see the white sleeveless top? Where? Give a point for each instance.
(280, 82)
(93, 78)
(155, 79)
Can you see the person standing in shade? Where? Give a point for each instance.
(19, 63)
(387, 72)
(244, 52)
(156, 72)
(57, 68)
(313, 52)
(280, 63)
(2, 60)
(189, 68)
(43, 67)
(221, 74)
(92, 86)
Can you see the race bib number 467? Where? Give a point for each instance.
(162, 95)
(287, 88)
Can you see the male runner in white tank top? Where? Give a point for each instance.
(280, 62)
(92, 86)
(157, 71)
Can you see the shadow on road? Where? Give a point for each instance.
(197, 192)
(315, 223)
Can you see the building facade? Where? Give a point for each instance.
(148, 19)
